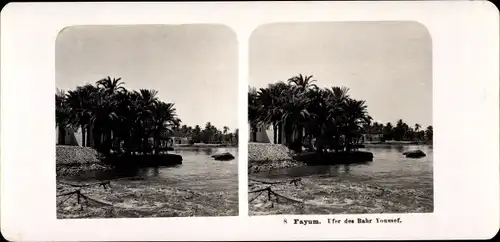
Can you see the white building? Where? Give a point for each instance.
(179, 141)
(266, 135)
(68, 136)
(371, 138)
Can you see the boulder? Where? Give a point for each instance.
(414, 154)
(224, 156)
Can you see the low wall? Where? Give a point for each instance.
(72, 160)
(265, 156)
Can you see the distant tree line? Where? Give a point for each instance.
(401, 131)
(208, 135)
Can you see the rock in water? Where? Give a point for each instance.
(224, 156)
(414, 154)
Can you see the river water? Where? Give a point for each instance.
(389, 166)
(333, 188)
(200, 186)
(197, 171)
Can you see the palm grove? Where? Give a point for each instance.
(112, 117)
(319, 118)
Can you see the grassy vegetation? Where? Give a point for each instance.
(338, 196)
(128, 198)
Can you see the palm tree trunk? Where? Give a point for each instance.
(288, 136)
(253, 138)
(96, 137)
(83, 136)
(347, 143)
(337, 142)
(275, 132)
(300, 137)
(90, 139)
(156, 143)
(61, 135)
(280, 134)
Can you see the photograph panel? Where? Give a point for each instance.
(146, 121)
(340, 118)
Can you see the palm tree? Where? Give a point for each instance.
(301, 108)
(164, 120)
(111, 86)
(253, 112)
(196, 134)
(63, 114)
(110, 116)
(417, 127)
(225, 129)
(336, 97)
(104, 117)
(356, 117)
(236, 135)
(145, 105)
(294, 116)
(429, 133)
(303, 82)
(271, 101)
(388, 131)
(81, 101)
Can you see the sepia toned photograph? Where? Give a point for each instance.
(136, 121)
(146, 121)
(340, 118)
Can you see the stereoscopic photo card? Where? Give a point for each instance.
(150, 126)
(249, 121)
(331, 140)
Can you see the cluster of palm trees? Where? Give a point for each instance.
(113, 118)
(209, 135)
(317, 118)
(401, 131)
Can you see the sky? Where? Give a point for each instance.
(193, 66)
(388, 64)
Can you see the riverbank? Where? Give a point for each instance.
(130, 197)
(334, 158)
(202, 145)
(265, 157)
(72, 160)
(137, 198)
(338, 196)
(146, 160)
(393, 144)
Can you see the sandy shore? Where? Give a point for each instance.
(334, 196)
(128, 198)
